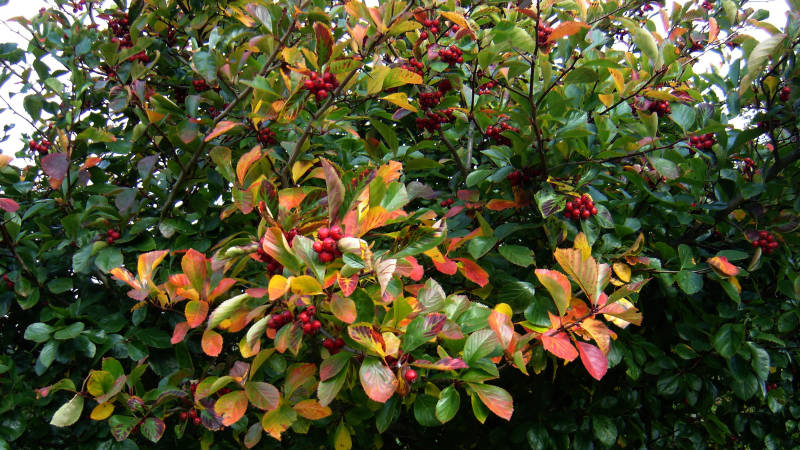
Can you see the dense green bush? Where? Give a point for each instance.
(539, 218)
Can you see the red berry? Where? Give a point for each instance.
(286, 316)
(339, 342)
(184, 415)
(435, 30)
(197, 421)
(763, 234)
(423, 35)
(569, 206)
(594, 211)
(772, 245)
(323, 232)
(336, 232)
(110, 240)
(585, 214)
(316, 325)
(576, 214)
(303, 316)
(329, 245)
(322, 94)
(307, 328)
(325, 257)
(328, 343)
(317, 246)
(410, 375)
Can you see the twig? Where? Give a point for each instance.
(658, 73)
(196, 156)
(454, 152)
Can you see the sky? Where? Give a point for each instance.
(28, 8)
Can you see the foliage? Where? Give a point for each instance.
(344, 225)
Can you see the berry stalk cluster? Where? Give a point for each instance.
(766, 241)
(493, 132)
(660, 107)
(327, 247)
(580, 208)
(321, 86)
(702, 142)
(113, 235)
(433, 120)
(451, 55)
(42, 146)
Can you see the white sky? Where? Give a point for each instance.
(28, 8)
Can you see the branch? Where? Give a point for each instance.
(454, 152)
(658, 73)
(196, 156)
(329, 102)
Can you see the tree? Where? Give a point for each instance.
(340, 224)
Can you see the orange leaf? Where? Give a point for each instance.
(497, 399)
(196, 312)
(125, 276)
(221, 128)
(222, 287)
(211, 343)
(148, 262)
(278, 287)
(231, 407)
(278, 420)
(473, 271)
(566, 29)
(246, 161)
(291, 198)
(312, 410)
(600, 333)
(390, 171)
(713, 29)
(179, 333)
(193, 264)
(343, 308)
(504, 329)
(583, 270)
(500, 204)
(558, 286)
(378, 381)
(408, 267)
(297, 375)
(723, 267)
(447, 363)
(593, 359)
(560, 346)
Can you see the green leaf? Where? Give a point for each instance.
(480, 344)
(205, 64)
(38, 332)
(729, 339)
(683, 115)
(758, 57)
(517, 254)
(69, 332)
(689, 282)
(68, 413)
(108, 258)
(604, 430)
(480, 245)
(425, 411)
(448, 404)
(759, 361)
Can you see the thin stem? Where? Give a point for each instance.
(454, 152)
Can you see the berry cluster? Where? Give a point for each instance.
(786, 91)
(200, 85)
(660, 107)
(77, 6)
(191, 415)
(213, 112)
(333, 345)
(120, 29)
(451, 55)
(9, 283)
(361, 176)
(446, 203)
(647, 8)
(432, 25)
(279, 320)
(311, 325)
(518, 177)
(433, 120)
(493, 132)
(113, 235)
(429, 100)
(702, 142)
(42, 146)
(543, 34)
(266, 137)
(697, 46)
(771, 386)
(707, 5)
(766, 241)
(580, 209)
(327, 247)
(748, 167)
(321, 86)
(414, 66)
(486, 88)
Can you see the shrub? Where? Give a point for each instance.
(340, 224)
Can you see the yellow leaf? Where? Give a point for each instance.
(400, 99)
(623, 271)
(504, 308)
(457, 19)
(582, 244)
(305, 285)
(278, 286)
(606, 99)
(739, 215)
(153, 116)
(342, 440)
(619, 80)
(102, 411)
(300, 168)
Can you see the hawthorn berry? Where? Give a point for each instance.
(766, 241)
(494, 132)
(451, 55)
(184, 415)
(581, 208)
(786, 91)
(543, 34)
(414, 66)
(660, 107)
(410, 375)
(321, 85)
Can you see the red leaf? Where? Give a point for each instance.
(447, 266)
(473, 271)
(593, 359)
(297, 375)
(723, 267)
(378, 381)
(180, 332)
(221, 128)
(333, 184)
(291, 198)
(231, 407)
(8, 205)
(347, 285)
(55, 166)
(447, 363)
(409, 267)
(497, 399)
(583, 270)
(211, 343)
(196, 312)
(223, 286)
(560, 346)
